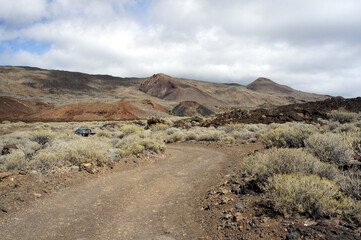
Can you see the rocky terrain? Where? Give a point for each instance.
(191, 108)
(156, 96)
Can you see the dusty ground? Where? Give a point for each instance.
(195, 191)
(158, 200)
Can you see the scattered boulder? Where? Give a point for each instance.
(89, 167)
(154, 121)
(7, 149)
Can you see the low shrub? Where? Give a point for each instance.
(14, 160)
(133, 145)
(242, 134)
(210, 134)
(329, 147)
(228, 139)
(153, 145)
(103, 133)
(42, 136)
(343, 116)
(132, 129)
(313, 196)
(176, 136)
(159, 127)
(288, 135)
(286, 161)
(350, 183)
(73, 152)
(132, 148)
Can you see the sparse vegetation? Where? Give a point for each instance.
(343, 116)
(329, 147)
(316, 197)
(286, 161)
(288, 135)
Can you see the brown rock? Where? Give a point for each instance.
(5, 175)
(238, 217)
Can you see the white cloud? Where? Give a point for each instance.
(309, 45)
(22, 11)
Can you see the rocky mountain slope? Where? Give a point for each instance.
(191, 108)
(156, 96)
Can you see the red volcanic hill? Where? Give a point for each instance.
(120, 110)
(168, 88)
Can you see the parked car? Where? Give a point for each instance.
(85, 132)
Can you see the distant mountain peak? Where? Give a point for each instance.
(266, 85)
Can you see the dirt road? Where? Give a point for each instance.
(157, 201)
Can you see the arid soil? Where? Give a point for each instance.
(157, 200)
(194, 191)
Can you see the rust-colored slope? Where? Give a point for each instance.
(153, 105)
(16, 109)
(120, 110)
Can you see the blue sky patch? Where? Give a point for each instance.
(22, 44)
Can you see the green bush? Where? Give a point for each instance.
(285, 161)
(309, 195)
(288, 135)
(329, 147)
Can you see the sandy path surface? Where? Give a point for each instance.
(156, 201)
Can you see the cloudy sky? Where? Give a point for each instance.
(310, 45)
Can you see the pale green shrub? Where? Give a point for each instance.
(309, 195)
(15, 160)
(329, 147)
(103, 133)
(153, 145)
(228, 139)
(132, 148)
(346, 128)
(29, 147)
(42, 136)
(132, 129)
(73, 152)
(350, 183)
(159, 127)
(285, 161)
(133, 145)
(210, 134)
(191, 135)
(343, 116)
(174, 136)
(288, 135)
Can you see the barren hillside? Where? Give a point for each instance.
(155, 96)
